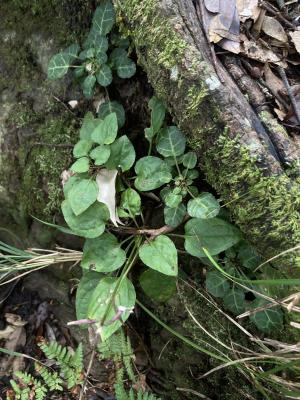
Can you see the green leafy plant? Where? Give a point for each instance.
(70, 364)
(99, 56)
(105, 196)
(105, 192)
(230, 284)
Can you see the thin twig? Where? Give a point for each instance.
(289, 91)
(88, 372)
(150, 232)
(275, 13)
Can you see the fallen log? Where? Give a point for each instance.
(246, 156)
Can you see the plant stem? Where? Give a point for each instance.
(151, 232)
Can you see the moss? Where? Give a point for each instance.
(170, 46)
(265, 207)
(45, 161)
(31, 178)
(272, 123)
(196, 95)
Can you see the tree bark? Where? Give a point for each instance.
(247, 156)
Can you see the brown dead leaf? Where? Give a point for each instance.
(221, 22)
(274, 29)
(258, 52)
(280, 114)
(212, 6)
(248, 9)
(15, 336)
(272, 80)
(295, 36)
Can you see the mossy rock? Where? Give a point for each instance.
(36, 128)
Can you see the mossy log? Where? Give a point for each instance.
(246, 156)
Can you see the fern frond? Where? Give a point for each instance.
(70, 375)
(20, 393)
(146, 396)
(40, 391)
(131, 394)
(15, 386)
(70, 363)
(25, 394)
(25, 378)
(51, 379)
(111, 348)
(127, 356)
(120, 391)
(118, 347)
(54, 351)
(77, 358)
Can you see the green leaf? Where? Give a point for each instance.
(131, 201)
(100, 154)
(216, 284)
(194, 191)
(89, 123)
(158, 113)
(104, 75)
(157, 286)
(60, 63)
(118, 56)
(107, 130)
(103, 254)
(88, 86)
(152, 172)
(174, 216)
(172, 162)
(160, 254)
(72, 51)
(127, 69)
(87, 53)
(164, 192)
(82, 148)
(190, 160)
(268, 320)
(104, 17)
(101, 307)
(204, 206)
(214, 234)
(89, 224)
(173, 200)
(122, 154)
(190, 173)
(58, 66)
(234, 301)
(84, 292)
(82, 195)
(248, 256)
(171, 142)
(101, 58)
(81, 165)
(96, 40)
(72, 180)
(79, 71)
(110, 107)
